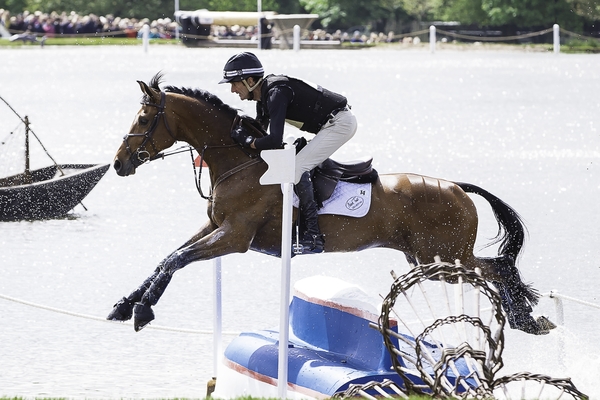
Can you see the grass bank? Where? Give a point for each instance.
(571, 46)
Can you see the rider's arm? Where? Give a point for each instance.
(277, 102)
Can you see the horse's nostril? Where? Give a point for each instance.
(117, 165)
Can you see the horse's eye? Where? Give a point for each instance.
(143, 121)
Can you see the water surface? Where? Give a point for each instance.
(525, 126)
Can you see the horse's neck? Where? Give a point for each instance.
(208, 130)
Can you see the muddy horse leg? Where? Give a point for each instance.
(218, 243)
(152, 288)
(143, 313)
(203, 246)
(139, 302)
(123, 309)
(518, 298)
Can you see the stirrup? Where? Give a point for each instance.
(310, 244)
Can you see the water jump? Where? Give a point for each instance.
(421, 216)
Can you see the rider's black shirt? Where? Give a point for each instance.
(300, 103)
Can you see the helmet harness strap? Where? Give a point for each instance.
(251, 88)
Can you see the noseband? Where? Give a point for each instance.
(141, 155)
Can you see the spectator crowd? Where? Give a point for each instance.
(55, 24)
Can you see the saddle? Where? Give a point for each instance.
(326, 175)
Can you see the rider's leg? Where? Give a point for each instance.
(312, 239)
(331, 137)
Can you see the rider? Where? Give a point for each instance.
(309, 107)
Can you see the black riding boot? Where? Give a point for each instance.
(311, 240)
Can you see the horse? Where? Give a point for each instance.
(421, 216)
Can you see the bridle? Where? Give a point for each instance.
(141, 155)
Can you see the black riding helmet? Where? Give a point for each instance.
(242, 66)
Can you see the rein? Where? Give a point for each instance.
(254, 159)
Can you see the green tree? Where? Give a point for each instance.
(290, 7)
(392, 13)
(527, 13)
(343, 14)
(589, 10)
(14, 6)
(422, 10)
(464, 11)
(329, 11)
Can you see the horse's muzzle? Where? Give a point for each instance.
(124, 168)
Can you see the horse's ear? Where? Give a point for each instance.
(151, 93)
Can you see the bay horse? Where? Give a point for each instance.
(422, 217)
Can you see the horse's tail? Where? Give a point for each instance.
(511, 228)
(518, 298)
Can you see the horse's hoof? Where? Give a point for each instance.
(539, 326)
(545, 325)
(143, 315)
(122, 311)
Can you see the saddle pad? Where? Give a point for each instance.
(349, 199)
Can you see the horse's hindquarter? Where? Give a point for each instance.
(419, 215)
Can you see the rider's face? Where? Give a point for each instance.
(241, 90)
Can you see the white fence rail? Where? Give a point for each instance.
(559, 306)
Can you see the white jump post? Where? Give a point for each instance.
(145, 37)
(217, 315)
(296, 37)
(432, 39)
(556, 38)
(176, 23)
(281, 171)
(560, 320)
(259, 32)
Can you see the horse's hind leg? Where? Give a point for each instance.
(518, 298)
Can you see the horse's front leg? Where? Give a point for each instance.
(123, 309)
(207, 244)
(221, 241)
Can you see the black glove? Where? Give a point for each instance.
(241, 136)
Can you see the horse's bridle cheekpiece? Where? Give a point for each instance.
(141, 155)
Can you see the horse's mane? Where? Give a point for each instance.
(256, 128)
(198, 94)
